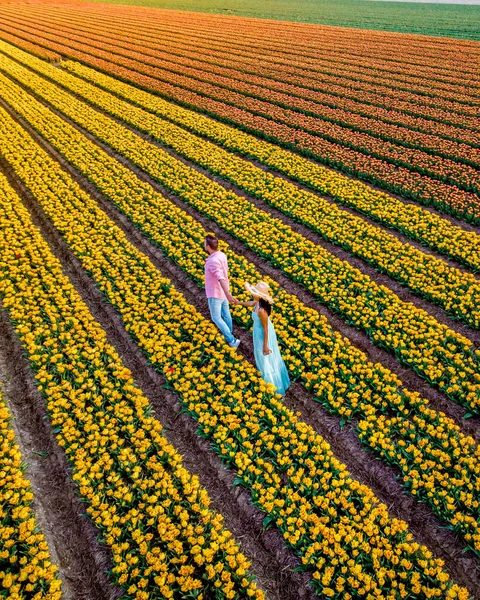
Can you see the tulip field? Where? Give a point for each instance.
(340, 166)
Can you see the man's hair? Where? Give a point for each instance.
(212, 241)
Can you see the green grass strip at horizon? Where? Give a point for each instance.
(393, 422)
(26, 570)
(144, 502)
(247, 425)
(444, 197)
(456, 292)
(447, 171)
(440, 355)
(443, 20)
(411, 220)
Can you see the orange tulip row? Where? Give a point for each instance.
(340, 122)
(367, 87)
(292, 46)
(255, 116)
(310, 35)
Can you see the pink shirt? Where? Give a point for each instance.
(216, 269)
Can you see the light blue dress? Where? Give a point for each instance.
(271, 367)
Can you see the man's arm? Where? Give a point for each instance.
(224, 285)
(217, 271)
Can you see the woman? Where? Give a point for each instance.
(265, 346)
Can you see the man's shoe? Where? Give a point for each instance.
(235, 344)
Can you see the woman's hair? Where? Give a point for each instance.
(267, 307)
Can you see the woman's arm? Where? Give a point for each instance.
(264, 321)
(249, 303)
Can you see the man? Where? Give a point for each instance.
(217, 288)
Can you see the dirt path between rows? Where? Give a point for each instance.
(358, 338)
(272, 562)
(344, 442)
(407, 375)
(375, 275)
(71, 536)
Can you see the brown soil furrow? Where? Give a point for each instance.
(272, 562)
(380, 278)
(374, 353)
(72, 538)
(344, 442)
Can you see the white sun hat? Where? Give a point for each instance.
(261, 290)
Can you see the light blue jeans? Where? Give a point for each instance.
(220, 313)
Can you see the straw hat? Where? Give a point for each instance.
(261, 290)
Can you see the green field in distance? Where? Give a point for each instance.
(452, 20)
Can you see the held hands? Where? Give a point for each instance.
(230, 298)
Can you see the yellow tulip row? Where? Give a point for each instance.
(415, 222)
(455, 291)
(153, 514)
(341, 377)
(341, 531)
(441, 356)
(26, 570)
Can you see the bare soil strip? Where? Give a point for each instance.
(380, 278)
(71, 536)
(380, 478)
(402, 237)
(374, 353)
(272, 562)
